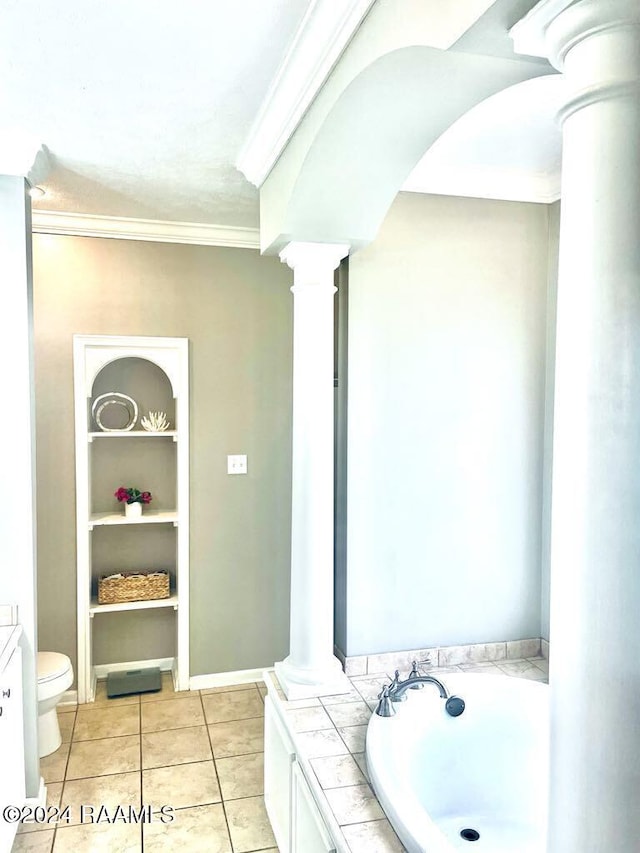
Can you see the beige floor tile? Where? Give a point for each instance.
(293, 704)
(54, 790)
(337, 771)
(237, 705)
(241, 776)
(166, 691)
(102, 699)
(354, 804)
(340, 698)
(523, 669)
(90, 758)
(120, 789)
(172, 714)
(107, 722)
(237, 738)
(361, 761)
(370, 687)
(262, 688)
(309, 719)
(52, 767)
(175, 746)
(99, 838)
(181, 786)
(354, 737)
(66, 722)
(322, 743)
(34, 842)
(373, 837)
(202, 829)
(349, 713)
(228, 688)
(249, 825)
(488, 668)
(67, 708)
(541, 663)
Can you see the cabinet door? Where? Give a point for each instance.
(278, 760)
(12, 791)
(308, 831)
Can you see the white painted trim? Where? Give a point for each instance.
(70, 697)
(41, 799)
(326, 29)
(103, 669)
(500, 184)
(528, 34)
(153, 230)
(224, 679)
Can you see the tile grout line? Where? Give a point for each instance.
(215, 770)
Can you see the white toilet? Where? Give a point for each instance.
(55, 676)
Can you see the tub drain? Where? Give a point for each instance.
(470, 834)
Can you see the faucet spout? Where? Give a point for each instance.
(397, 691)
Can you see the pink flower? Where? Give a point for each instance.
(132, 495)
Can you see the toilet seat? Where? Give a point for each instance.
(52, 665)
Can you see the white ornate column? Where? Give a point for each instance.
(311, 669)
(595, 557)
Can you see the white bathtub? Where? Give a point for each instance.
(486, 770)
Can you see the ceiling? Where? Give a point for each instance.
(144, 115)
(143, 106)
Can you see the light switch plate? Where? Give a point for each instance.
(237, 464)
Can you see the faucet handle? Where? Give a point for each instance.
(415, 674)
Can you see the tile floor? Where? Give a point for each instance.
(200, 752)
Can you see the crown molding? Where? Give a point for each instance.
(498, 184)
(153, 230)
(326, 29)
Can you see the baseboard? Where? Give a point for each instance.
(103, 669)
(41, 799)
(224, 679)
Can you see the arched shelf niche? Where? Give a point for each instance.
(141, 379)
(132, 634)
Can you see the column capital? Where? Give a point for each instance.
(314, 258)
(553, 27)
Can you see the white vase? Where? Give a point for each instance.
(133, 510)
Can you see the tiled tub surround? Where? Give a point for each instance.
(202, 752)
(442, 656)
(329, 739)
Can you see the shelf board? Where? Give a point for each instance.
(94, 608)
(149, 516)
(134, 433)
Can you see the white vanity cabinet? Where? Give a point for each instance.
(12, 785)
(296, 820)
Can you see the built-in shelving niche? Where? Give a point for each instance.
(154, 373)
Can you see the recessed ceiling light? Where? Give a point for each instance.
(36, 192)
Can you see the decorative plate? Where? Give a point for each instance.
(115, 398)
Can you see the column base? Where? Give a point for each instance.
(299, 683)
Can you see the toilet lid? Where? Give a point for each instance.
(52, 665)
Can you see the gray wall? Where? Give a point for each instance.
(447, 346)
(235, 307)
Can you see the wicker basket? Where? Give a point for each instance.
(135, 586)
